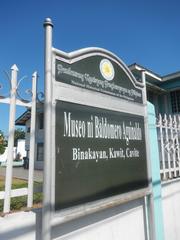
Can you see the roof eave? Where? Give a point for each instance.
(147, 71)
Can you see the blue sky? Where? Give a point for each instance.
(145, 32)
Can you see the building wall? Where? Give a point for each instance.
(171, 209)
(122, 222)
(27, 135)
(169, 103)
(39, 140)
(161, 102)
(171, 84)
(126, 221)
(21, 148)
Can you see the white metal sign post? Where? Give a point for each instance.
(46, 228)
(96, 149)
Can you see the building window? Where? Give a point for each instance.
(175, 101)
(40, 152)
(41, 121)
(150, 96)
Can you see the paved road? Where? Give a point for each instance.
(20, 172)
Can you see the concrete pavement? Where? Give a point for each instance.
(18, 226)
(20, 172)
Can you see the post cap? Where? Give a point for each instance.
(15, 68)
(35, 74)
(48, 22)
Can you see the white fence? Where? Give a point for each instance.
(168, 128)
(14, 99)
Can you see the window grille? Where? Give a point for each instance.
(175, 101)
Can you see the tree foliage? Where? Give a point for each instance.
(3, 142)
(19, 134)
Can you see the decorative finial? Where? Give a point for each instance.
(15, 68)
(48, 22)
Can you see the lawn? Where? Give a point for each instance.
(20, 203)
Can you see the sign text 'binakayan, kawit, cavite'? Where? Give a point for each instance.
(100, 153)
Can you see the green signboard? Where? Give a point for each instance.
(94, 133)
(100, 74)
(99, 153)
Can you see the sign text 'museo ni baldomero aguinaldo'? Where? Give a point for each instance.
(100, 152)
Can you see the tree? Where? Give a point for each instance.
(3, 142)
(18, 134)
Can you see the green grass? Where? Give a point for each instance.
(18, 203)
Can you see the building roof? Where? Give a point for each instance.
(23, 118)
(155, 81)
(150, 73)
(171, 76)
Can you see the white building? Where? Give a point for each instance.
(24, 120)
(17, 151)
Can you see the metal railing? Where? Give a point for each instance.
(13, 99)
(168, 129)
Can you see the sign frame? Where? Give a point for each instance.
(61, 91)
(72, 94)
